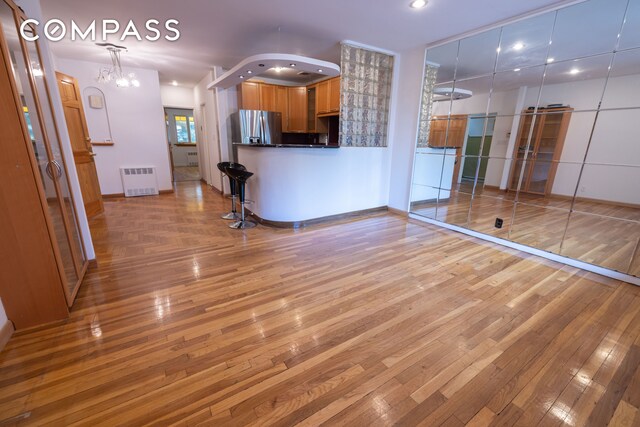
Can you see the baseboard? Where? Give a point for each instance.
(398, 212)
(6, 332)
(316, 221)
(121, 195)
(113, 196)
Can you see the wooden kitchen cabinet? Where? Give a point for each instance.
(328, 95)
(249, 96)
(297, 109)
(282, 106)
(334, 95)
(536, 158)
(322, 96)
(268, 100)
(447, 132)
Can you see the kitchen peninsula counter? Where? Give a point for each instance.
(297, 184)
(286, 145)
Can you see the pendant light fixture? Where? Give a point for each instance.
(114, 73)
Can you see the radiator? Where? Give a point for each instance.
(139, 181)
(192, 158)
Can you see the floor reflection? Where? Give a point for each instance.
(596, 232)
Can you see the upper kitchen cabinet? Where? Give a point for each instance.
(249, 96)
(268, 98)
(328, 95)
(282, 106)
(297, 109)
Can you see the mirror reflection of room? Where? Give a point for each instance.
(529, 133)
(181, 134)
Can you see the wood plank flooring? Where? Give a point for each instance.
(366, 322)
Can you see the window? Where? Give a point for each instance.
(185, 129)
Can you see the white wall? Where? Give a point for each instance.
(402, 137)
(177, 96)
(206, 112)
(295, 184)
(137, 125)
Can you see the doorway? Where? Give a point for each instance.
(183, 144)
(478, 138)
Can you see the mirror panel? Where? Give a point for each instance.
(543, 137)
(623, 77)
(453, 207)
(477, 55)
(586, 29)
(525, 43)
(630, 36)
(603, 241)
(539, 227)
(443, 59)
(578, 83)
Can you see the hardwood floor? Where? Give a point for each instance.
(374, 321)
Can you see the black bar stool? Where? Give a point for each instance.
(233, 215)
(240, 176)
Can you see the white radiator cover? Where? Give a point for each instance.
(139, 181)
(192, 158)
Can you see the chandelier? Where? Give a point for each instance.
(115, 73)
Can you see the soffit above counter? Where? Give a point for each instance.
(256, 65)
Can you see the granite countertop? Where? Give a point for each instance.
(287, 145)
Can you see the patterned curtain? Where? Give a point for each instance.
(364, 99)
(430, 74)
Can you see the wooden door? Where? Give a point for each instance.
(334, 95)
(268, 98)
(297, 97)
(81, 144)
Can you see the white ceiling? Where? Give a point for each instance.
(223, 32)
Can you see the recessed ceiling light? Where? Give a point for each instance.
(516, 70)
(319, 70)
(249, 72)
(550, 60)
(242, 77)
(574, 71)
(292, 65)
(418, 4)
(175, 83)
(518, 46)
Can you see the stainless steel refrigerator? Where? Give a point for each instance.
(257, 127)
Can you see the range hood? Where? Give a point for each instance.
(256, 65)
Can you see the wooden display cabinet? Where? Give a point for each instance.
(537, 153)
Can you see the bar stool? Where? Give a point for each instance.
(233, 215)
(240, 176)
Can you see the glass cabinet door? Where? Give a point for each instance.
(59, 161)
(46, 149)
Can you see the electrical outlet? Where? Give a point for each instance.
(499, 222)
